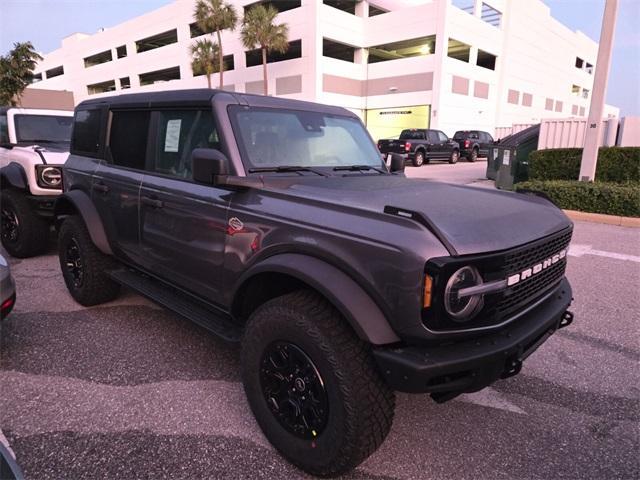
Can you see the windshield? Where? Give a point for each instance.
(43, 128)
(273, 137)
(460, 134)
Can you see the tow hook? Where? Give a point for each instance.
(566, 320)
(512, 368)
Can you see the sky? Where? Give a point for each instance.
(46, 22)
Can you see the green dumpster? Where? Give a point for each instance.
(513, 156)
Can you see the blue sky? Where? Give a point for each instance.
(46, 22)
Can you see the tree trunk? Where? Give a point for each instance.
(220, 54)
(264, 71)
(209, 80)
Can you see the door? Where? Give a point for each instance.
(486, 144)
(433, 144)
(444, 149)
(116, 183)
(183, 224)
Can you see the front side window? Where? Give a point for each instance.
(128, 138)
(442, 137)
(275, 137)
(179, 133)
(43, 128)
(86, 132)
(4, 130)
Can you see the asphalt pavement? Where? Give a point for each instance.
(129, 390)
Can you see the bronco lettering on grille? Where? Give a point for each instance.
(537, 268)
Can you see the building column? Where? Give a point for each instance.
(362, 9)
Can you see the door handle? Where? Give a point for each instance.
(152, 202)
(101, 187)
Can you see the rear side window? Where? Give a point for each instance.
(87, 132)
(128, 138)
(179, 133)
(412, 135)
(433, 136)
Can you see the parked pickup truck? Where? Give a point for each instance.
(474, 144)
(275, 223)
(421, 146)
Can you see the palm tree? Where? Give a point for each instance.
(16, 72)
(259, 31)
(215, 16)
(204, 58)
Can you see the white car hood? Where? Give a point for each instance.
(51, 157)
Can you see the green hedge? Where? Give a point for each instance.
(598, 197)
(615, 164)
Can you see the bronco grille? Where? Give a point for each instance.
(529, 290)
(500, 306)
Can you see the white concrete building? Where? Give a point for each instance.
(446, 64)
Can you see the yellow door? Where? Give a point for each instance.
(389, 122)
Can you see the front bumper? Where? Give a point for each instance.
(42, 205)
(467, 366)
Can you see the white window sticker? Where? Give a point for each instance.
(172, 137)
(505, 157)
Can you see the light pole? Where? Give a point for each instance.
(594, 122)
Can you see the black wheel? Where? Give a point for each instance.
(23, 233)
(313, 386)
(418, 159)
(473, 156)
(455, 155)
(83, 266)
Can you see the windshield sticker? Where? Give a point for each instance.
(172, 137)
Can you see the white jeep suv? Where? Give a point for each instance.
(34, 144)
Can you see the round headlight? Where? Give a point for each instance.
(52, 176)
(462, 309)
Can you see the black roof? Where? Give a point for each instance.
(200, 96)
(203, 97)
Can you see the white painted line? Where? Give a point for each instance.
(488, 397)
(577, 250)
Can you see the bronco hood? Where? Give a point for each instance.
(472, 220)
(53, 153)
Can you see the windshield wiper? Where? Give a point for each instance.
(358, 168)
(287, 168)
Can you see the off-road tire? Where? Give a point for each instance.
(96, 287)
(473, 156)
(455, 156)
(418, 159)
(32, 231)
(360, 404)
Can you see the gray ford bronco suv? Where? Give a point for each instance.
(275, 223)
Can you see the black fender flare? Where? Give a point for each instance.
(78, 201)
(349, 298)
(14, 175)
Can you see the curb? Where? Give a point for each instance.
(633, 222)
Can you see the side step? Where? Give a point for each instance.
(179, 303)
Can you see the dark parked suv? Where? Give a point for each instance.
(275, 223)
(474, 144)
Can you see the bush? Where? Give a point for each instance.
(598, 197)
(615, 164)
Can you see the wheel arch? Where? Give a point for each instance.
(77, 202)
(13, 176)
(284, 273)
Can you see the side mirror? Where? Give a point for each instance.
(207, 164)
(397, 163)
